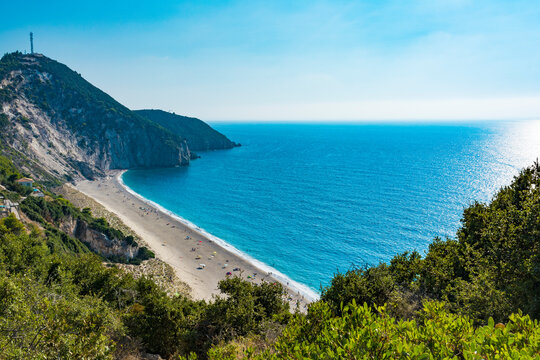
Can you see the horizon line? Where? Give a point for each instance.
(366, 121)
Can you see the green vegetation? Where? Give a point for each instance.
(65, 83)
(13, 159)
(4, 121)
(8, 63)
(67, 305)
(178, 325)
(198, 134)
(42, 315)
(364, 333)
(8, 172)
(473, 297)
(8, 176)
(53, 212)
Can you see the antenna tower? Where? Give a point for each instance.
(31, 43)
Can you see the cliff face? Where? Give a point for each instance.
(198, 134)
(71, 128)
(98, 241)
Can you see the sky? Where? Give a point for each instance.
(296, 60)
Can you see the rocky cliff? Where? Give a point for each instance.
(73, 230)
(71, 128)
(98, 241)
(198, 134)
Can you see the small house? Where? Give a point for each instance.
(25, 182)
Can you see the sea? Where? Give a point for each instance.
(311, 200)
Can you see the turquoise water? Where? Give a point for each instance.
(310, 200)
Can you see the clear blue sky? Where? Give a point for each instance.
(296, 60)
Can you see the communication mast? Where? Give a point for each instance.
(31, 43)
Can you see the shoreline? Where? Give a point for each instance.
(287, 282)
(184, 245)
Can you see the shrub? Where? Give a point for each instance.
(364, 333)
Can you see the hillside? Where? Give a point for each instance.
(71, 128)
(198, 134)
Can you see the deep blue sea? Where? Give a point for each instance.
(314, 199)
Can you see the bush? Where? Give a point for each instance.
(37, 323)
(362, 333)
(144, 254)
(4, 121)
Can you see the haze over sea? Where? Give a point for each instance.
(313, 199)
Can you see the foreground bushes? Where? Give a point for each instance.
(179, 325)
(69, 306)
(40, 322)
(364, 333)
(44, 312)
